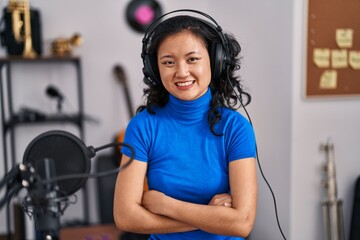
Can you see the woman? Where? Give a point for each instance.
(195, 150)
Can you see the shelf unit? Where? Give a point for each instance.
(10, 121)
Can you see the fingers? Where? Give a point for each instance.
(223, 199)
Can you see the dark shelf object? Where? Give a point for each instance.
(10, 120)
(76, 119)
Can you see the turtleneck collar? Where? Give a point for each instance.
(192, 110)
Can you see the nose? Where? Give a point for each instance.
(182, 70)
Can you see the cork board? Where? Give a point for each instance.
(333, 48)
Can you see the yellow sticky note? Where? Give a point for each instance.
(321, 57)
(354, 59)
(344, 38)
(339, 58)
(328, 79)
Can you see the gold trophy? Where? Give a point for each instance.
(62, 47)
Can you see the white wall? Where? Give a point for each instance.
(289, 128)
(313, 122)
(266, 42)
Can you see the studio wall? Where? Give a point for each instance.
(289, 127)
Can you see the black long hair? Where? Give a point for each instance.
(226, 91)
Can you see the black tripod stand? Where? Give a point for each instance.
(42, 201)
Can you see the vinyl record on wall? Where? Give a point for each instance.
(141, 13)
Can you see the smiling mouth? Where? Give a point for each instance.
(184, 84)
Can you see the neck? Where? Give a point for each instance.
(190, 110)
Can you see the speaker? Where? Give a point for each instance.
(218, 51)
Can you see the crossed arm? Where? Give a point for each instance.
(154, 212)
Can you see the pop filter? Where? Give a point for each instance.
(69, 154)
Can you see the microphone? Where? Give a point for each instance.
(71, 159)
(62, 166)
(55, 165)
(53, 92)
(68, 153)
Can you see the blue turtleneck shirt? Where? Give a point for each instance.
(185, 159)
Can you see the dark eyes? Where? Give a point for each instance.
(171, 62)
(167, 62)
(189, 60)
(193, 59)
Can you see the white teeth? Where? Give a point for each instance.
(184, 84)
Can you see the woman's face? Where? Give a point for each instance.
(184, 66)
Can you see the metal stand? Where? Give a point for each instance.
(333, 221)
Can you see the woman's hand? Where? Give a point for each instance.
(223, 199)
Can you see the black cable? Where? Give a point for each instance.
(258, 160)
(10, 194)
(98, 174)
(9, 176)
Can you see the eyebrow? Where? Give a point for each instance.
(188, 54)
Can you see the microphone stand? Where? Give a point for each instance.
(45, 197)
(46, 209)
(18, 177)
(45, 201)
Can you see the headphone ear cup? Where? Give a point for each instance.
(148, 70)
(217, 60)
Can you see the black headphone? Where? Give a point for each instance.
(218, 52)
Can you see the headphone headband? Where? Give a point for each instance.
(218, 56)
(154, 24)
